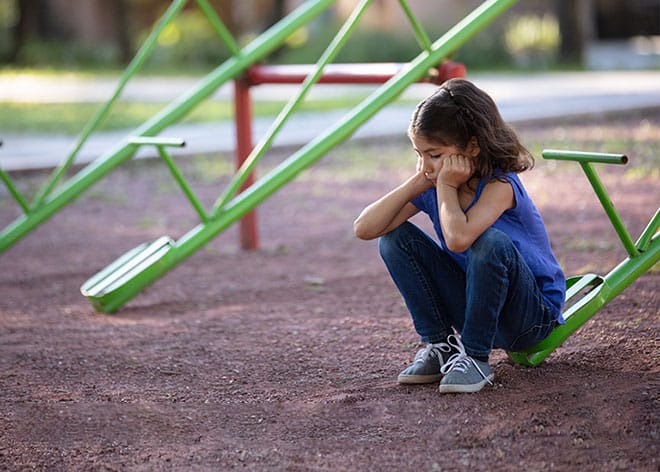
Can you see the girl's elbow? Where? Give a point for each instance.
(361, 230)
(457, 243)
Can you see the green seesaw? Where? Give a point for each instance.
(113, 286)
(587, 294)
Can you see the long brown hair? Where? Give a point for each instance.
(459, 111)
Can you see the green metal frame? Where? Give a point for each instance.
(112, 287)
(587, 294)
(50, 199)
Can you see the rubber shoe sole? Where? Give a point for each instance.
(419, 379)
(466, 388)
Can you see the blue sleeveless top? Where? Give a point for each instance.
(524, 225)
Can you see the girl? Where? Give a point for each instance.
(492, 277)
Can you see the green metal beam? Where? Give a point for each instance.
(421, 36)
(13, 190)
(92, 173)
(219, 27)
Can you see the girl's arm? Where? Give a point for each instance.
(461, 229)
(391, 210)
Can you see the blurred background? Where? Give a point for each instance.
(535, 34)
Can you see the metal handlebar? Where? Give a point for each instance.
(580, 156)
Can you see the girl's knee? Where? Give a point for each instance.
(492, 243)
(389, 242)
(395, 240)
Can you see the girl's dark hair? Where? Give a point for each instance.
(459, 111)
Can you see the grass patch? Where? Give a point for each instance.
(353, 161)
(636, 134)
(71, 118)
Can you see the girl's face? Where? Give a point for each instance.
(431, 155)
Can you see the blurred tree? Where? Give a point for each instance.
(111, 30)
(94, 23)
(571, 17)
(278, 11)
(123, 30)
(32, 21)
(619, 20)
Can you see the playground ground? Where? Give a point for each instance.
(286, 358)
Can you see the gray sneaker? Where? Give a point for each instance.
(426, 368)
(463, 374)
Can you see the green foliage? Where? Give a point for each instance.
(189, 41)
(533, 40)
(379, 46)
(521, 42)
(8, 19)
(67, 55)
(365, 45)
(486, 50)
(71, 117)
(532, 33)
(8, 14)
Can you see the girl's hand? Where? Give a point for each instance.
(456, 170)
(421, 180)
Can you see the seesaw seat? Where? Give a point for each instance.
(108, 288)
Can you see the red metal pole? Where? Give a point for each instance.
(370, 73)
(294, 74)
(243, 119)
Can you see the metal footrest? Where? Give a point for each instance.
(577, 283)
(112, 286)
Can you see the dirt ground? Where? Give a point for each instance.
(286, 358)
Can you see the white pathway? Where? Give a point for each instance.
(521, 97)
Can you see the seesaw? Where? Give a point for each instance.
(587, 294)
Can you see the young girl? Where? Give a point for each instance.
(492, 277)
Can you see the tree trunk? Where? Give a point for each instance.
(278, 12)
(32, 22)
(571, 30)
(123, 31)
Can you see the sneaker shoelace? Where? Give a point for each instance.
(432, 350)
(460, 361)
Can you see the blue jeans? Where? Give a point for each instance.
(494, 303)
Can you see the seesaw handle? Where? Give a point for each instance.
(585, 159)
(580, 156)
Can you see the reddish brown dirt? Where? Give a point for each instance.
(286, 358)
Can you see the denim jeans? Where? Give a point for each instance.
(494, 303)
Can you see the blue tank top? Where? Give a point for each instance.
(524, 225)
